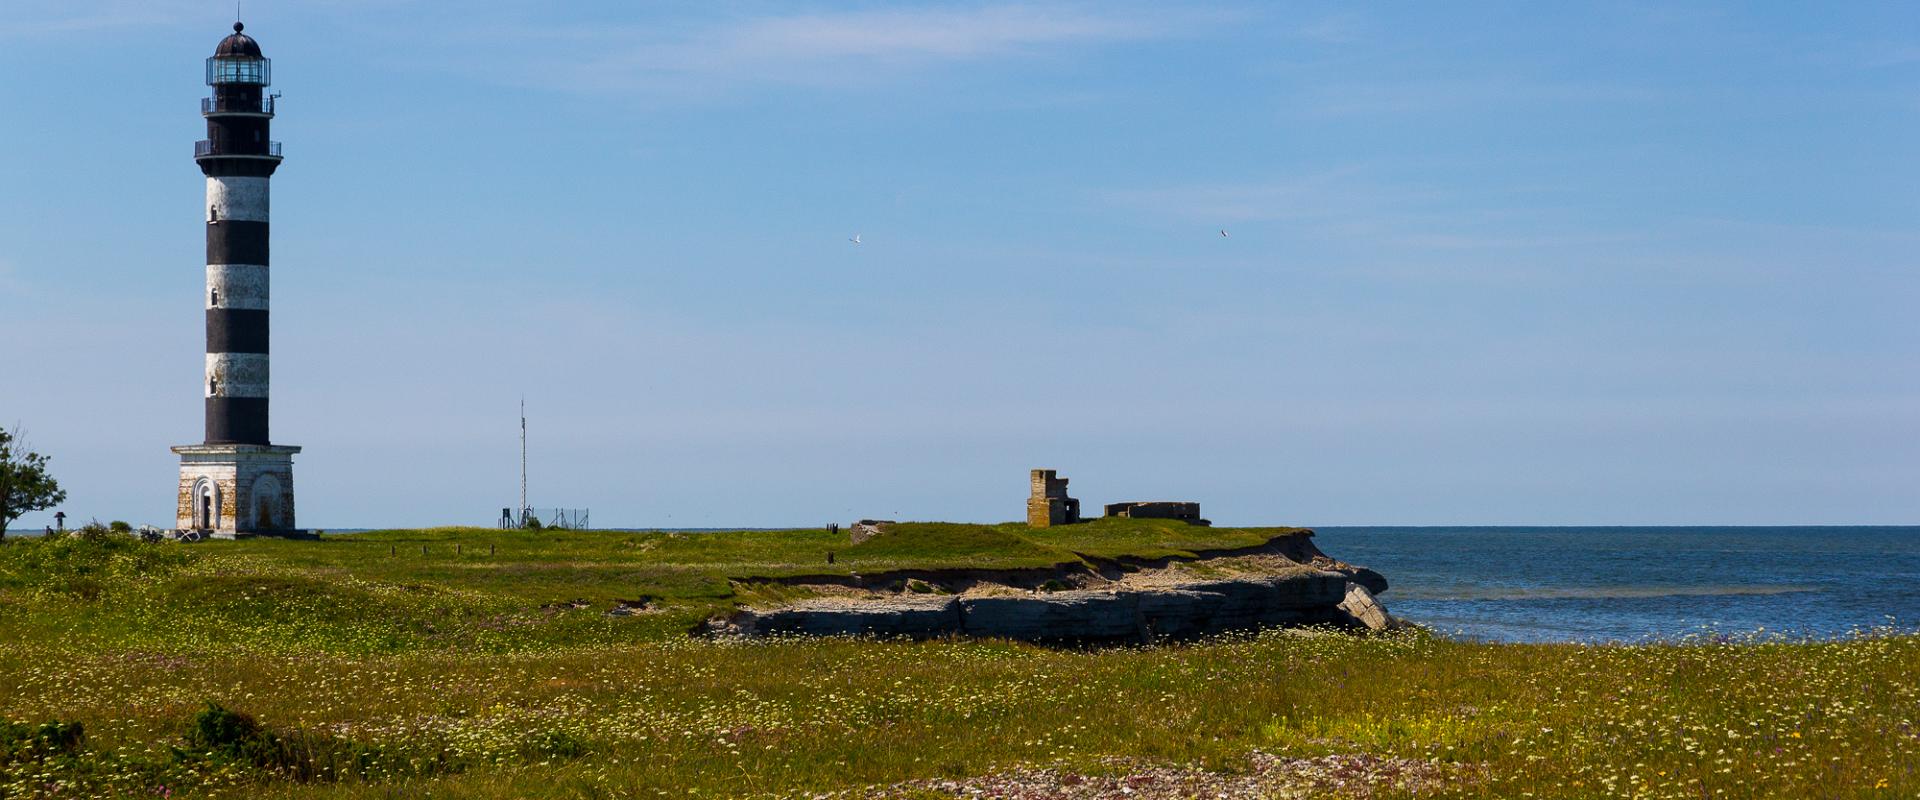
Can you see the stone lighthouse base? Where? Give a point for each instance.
(231, 491)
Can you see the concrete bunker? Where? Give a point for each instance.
(1158, 509)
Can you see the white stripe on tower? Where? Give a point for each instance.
(236, 198)
(242, 286)
(236, 374)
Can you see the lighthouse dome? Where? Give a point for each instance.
(237, 45)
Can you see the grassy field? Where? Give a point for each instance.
(361, 668)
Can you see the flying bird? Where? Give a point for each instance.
(1223, 233)
(855, 239)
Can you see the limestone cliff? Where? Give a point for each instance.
(1286, 581)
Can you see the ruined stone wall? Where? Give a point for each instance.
(1049, 504)
(1188, 512)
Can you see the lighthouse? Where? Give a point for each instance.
(237, 482)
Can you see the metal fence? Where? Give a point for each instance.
(572, 519)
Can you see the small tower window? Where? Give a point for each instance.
(216, 297)
(213, 386)
(213, 213)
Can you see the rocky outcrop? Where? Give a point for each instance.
(1121, 614)
(911, 616)
(1284, 581)
(866, 529)
(1360, 605)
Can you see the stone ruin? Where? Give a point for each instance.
(1049, 504)
(1185, 512)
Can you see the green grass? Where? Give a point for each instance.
(495, 591)
(1110, 537)
(374, 671)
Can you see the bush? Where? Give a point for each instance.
(234, 735)
(84, 566)
(20, 741)
(90, 532)
(557, 743)
(38, 755)
(120, 526)
(221, 734)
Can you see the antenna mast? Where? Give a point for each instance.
(523, 462)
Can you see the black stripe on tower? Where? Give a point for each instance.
(236, 330)
(216, 167)
(239, 135)
(237, 242)
(237, 420)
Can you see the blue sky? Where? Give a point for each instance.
(1490, 263)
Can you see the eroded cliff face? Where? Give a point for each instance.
(1286, 582)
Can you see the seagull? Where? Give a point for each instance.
(855, 239)
(1223, 233)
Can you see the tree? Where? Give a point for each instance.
(24, 483)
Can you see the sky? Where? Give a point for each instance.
(1487, 263)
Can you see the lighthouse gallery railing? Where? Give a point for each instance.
(204, 147)
(236, 105)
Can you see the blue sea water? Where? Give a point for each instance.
(1634, 584)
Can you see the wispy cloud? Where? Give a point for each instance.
(59, 18)
(1345, 28)
(819, 48)
(53, 17)
(715, 48)
(908, 35)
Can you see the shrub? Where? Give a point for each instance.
(223, 735)
(234, 735)
(37, 755)
(557, 743)
(88, 566)
(91, 532)
(21, 741)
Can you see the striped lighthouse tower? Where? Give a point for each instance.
(237, 482)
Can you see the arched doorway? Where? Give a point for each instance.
(206, 505)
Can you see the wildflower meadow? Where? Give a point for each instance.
(284, 669)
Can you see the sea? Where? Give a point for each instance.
(1603, 584)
